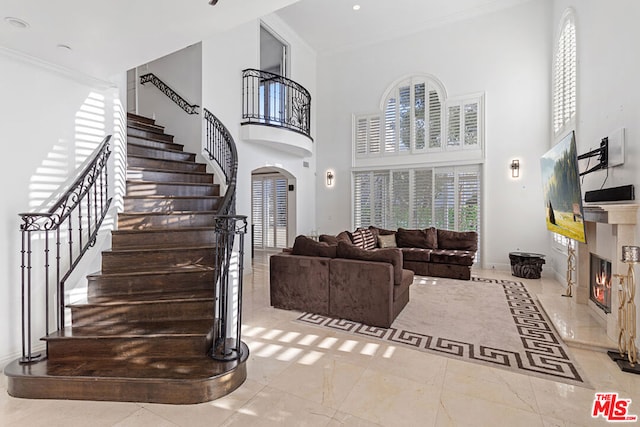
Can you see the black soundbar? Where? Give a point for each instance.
(613, 194)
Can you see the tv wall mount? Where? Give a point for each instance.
(603, 156)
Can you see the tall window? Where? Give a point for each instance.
(564, 86)
(564, 76)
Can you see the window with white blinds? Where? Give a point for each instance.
(269, 211)
(417, 118)
(564, 76)
(443, 197)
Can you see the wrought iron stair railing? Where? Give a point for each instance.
(221, 148)
(170, 93)
(272, 100)
(69, 228)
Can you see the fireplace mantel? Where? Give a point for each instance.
(611, 214)
(608, 227)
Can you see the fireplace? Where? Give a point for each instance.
(600, 283)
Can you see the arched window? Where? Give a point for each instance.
(417, 117)
(564, 76)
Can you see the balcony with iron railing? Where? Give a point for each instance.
(276, 111)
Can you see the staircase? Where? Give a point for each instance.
(144, 332)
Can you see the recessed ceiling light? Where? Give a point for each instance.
(16, 22)
(356, 7)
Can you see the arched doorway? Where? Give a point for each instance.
(272, 209)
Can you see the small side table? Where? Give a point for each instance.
(526, 264)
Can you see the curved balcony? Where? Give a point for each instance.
(276, 111)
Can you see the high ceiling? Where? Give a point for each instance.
(107, 37)
(330, 25)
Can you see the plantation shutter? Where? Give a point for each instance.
(257, 214)
(404, 113)
(362, 199)
(361, 135)
(471, 123)
(422, 210)
(281, 192)
(381, 199)
(453, 126)
(564, 77)
(444, 200)
(400, 198)
(419, 111)
(468, 200)
(390, 126)
(435, 120)
(269, 212)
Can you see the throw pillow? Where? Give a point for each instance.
(424, 239)
(363, 238)
(387, 241)
(389, 255)
(460, 240)
(306, 246)
(344, 237)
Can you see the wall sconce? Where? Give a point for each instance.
(330, 179)
(515, 168)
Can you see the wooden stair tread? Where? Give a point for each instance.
(140, 168)
(164, 160)
(158, 148)
(138, 299)
(187, 184)
(148, 249)
(170, 213)
(163, 230)
(134, 330)
(195, 269)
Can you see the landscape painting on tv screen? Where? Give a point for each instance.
(561, 189)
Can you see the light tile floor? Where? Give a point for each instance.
(300, 375)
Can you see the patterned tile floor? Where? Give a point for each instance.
(301, 375)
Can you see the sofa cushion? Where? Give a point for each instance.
(387, 241)
(304, 245)
(425, 239)
(407, 280)
(452, 256)
(344, 236)
(363, 238)
(328, 239)
(462, 240)
(381, 231)
(415, 254)
(389, 255)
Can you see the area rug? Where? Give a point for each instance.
(487, 321)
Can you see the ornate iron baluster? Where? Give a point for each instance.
(172, 94)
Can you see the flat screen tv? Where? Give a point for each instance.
(561, 189)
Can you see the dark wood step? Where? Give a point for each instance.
(132, 260)
(140, 283)
(159, 175)
(150, 220)
(136, 118)
(157, 308)
(120, 342)
(169, 381)
(163, 238)
(159, 153)
(149, 142)
(170, 204)
(151, 188)
(156, 128)
(176, 165)
(133, 130)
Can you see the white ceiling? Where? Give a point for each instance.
(109, 36)
(330, 25)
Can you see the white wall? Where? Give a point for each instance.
(504, 54)
(43, 144)
(182, 72)
(607, 87)
(223, 59)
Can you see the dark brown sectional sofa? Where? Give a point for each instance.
(343, 281)
(365, 276)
